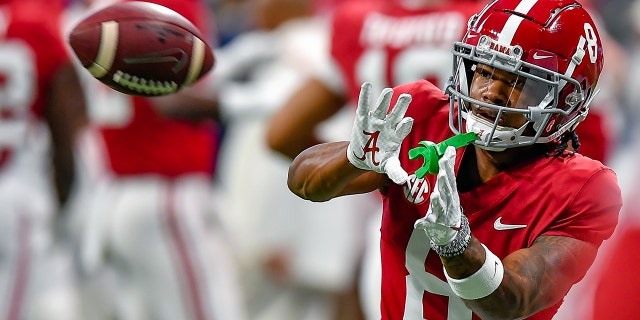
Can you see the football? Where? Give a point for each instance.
(141, 48)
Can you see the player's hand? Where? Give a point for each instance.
(443, 219)
(376, 136)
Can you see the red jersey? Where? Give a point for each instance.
(146, 142)
(388, 45)
(571, 196)
(153, 144)
(31, 53)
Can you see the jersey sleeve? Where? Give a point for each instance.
(593, 213)
(426, 99)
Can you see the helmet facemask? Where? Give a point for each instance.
(535, 93)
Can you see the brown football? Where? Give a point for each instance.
(141, 48)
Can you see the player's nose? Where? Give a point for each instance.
(497, 92)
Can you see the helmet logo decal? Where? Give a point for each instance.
(486, 44)
(589, 40)
(550, 125)
(416, 190)
(482, 134)
(537, 56)
(592, 42)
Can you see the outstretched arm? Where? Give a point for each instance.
(534, 278)
(362, 164)
(66, 116)
(293, 127)
(323, 172)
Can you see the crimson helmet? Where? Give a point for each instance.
(555, 51)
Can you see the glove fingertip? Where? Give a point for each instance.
(385, 97)
(399, 179)
(405, 98)
(402, 105)
(450, 151)
(448, 158)
(404, 127)
(396, 174)
(421, 223)
(394, 171)
(386, 91)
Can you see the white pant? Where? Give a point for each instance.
(152, 247)
(35, 271)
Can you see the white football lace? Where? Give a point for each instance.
(142, 85)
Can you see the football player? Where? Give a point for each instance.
(501, 228)
(386, 43)
(148, 239)
(288, 272)
(41, 111)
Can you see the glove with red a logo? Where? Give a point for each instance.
(376, 136)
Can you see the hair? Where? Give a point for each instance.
(561, 145)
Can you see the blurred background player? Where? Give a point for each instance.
(41, 111)
(616, 282)
(386, 43)
(298, 260)
(148, 239)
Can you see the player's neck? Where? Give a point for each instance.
(479, 165)
(468, 174)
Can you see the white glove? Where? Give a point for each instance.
(376, 136)
(443, 219)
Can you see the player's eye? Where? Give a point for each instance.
(484, 73)
(518, 82)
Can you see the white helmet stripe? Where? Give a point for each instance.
(512, 24)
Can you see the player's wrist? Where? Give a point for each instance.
(353, 159)
(458, 244)
(358, 162)
(483, 282)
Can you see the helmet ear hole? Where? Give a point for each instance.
(466, 70)
(465, 73)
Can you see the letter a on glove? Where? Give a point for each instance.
(376, 136)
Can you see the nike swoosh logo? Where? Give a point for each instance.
(176, 55)
(538, 57)
(498, 225)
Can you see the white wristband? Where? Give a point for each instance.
(482, 283)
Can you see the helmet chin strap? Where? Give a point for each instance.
(431, 152)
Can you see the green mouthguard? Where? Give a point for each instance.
(431, 152)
